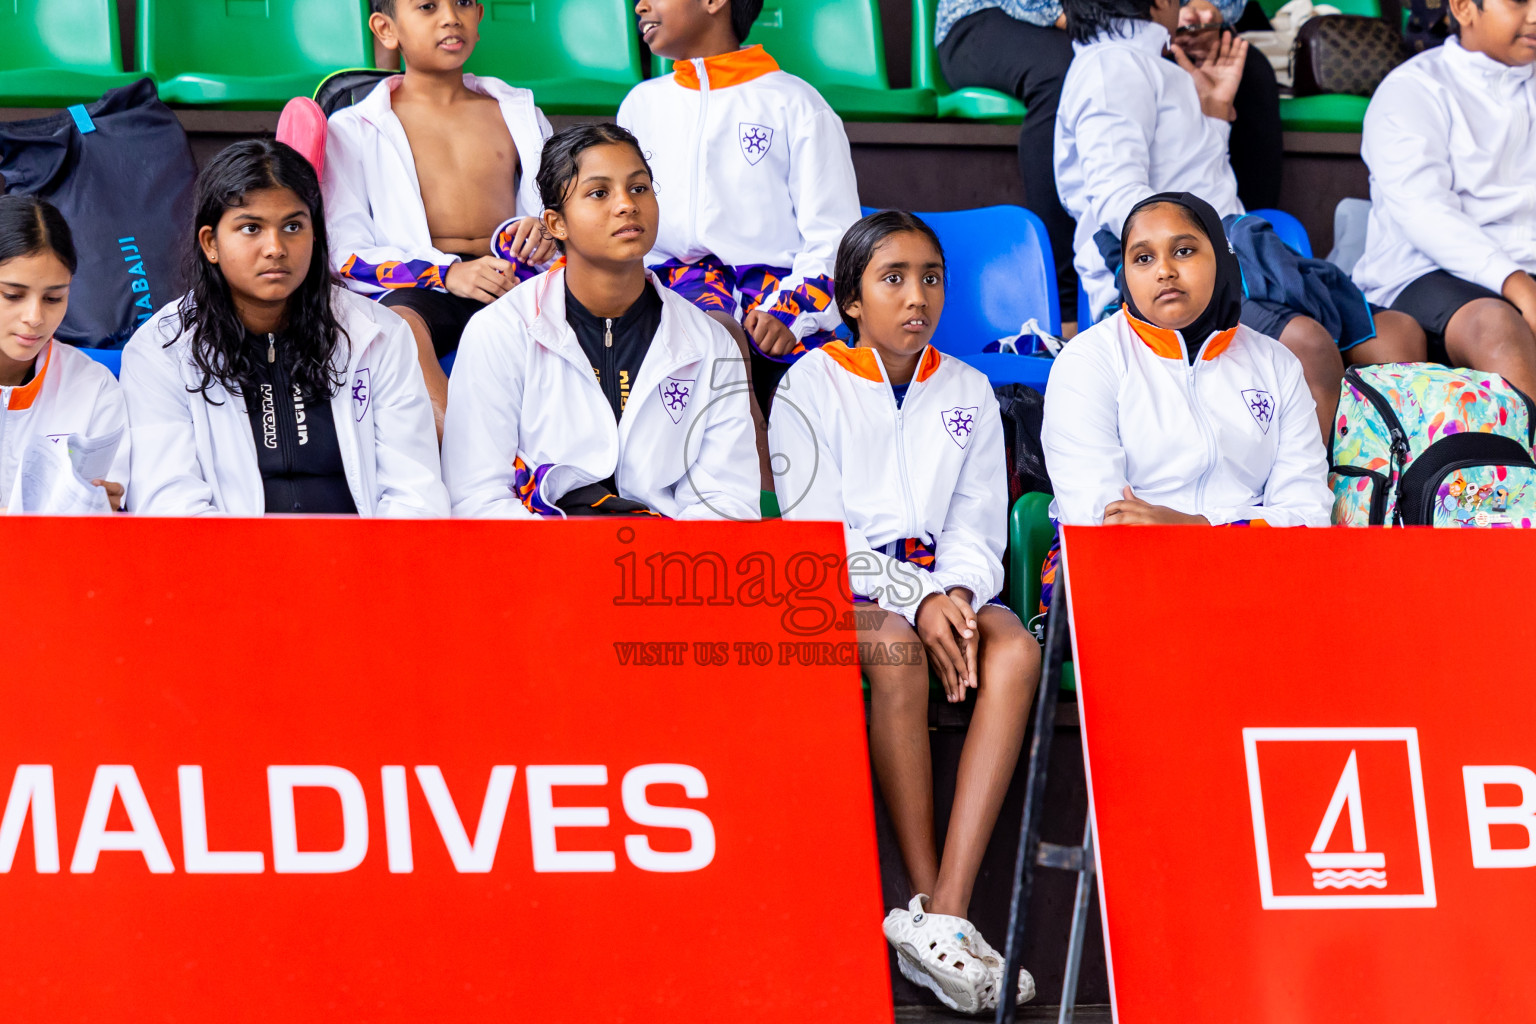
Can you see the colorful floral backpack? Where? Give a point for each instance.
(1416, 444)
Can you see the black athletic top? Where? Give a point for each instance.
(296, 447)
(616, 347)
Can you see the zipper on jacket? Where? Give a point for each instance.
(698, 149)
(271, 348)
(1206, 435)
(908, 508)
(611, 368)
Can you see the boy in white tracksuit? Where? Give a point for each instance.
(755, 178)
(69, 393)
(1450, 140)
(197, 456)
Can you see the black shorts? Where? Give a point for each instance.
(1271, 318)
(446, 315)
(1433, 299)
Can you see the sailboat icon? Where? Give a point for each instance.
(1359, 869)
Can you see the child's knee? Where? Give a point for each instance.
(1408, 340)
(1487, 326)
(1312, 344)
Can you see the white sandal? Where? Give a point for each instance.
(1026, 980)
(945, 955)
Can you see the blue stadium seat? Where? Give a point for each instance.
(1290, 230)
(1001, 273)
(111, 358)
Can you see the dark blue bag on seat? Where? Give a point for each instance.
(121, 172)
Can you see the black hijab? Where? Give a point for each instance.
(1226, 303)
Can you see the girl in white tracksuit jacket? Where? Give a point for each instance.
(904, 446)
(48, 390)
(1171, 411)
(592, 389)
(268, 389)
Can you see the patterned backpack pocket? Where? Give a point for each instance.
(1417, 444)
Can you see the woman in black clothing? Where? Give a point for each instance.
(267, 388)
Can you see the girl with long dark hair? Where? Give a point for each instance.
(904, 445)
(268, 388)
(47, 388)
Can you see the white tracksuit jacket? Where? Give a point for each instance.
(933, 470)
(373, 209)
(1232, 437)
(1450, 139)
(71, 393)
(191, 457)
(1129, 125)
(524, 391)
(752, 165)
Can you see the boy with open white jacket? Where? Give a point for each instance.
(429, 182)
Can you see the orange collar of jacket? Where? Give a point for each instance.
(726, 69)
(1165, 343)
(862, 362)
(24, 396)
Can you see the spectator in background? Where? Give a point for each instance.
(268, 388)
(47, 388)
(1020, 47)
(1450, 139)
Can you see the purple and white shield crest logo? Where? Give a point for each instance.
(362, 393)
(958, 424)
(1262, 407)
(756, 140)
(675, 393)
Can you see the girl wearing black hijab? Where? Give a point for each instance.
(1173, 412)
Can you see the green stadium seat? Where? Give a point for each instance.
(56, 53)
(578, 56)
(1029, 540)
(839, 47)
(249, 54)
(972, 103)
(1330, 112)
(1369, 8)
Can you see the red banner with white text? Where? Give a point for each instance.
(1312, 764)
(338, 770)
